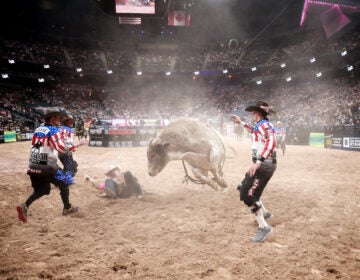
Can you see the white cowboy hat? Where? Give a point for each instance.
(110, 172)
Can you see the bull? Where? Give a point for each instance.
(192, 141)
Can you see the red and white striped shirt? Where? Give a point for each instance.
(263, 139)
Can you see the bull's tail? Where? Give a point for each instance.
(233, 153)
(224, 149)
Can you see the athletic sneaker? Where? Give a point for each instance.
(22, 212)
(70, 211)
(268, 216)
(262, 234)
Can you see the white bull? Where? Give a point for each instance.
(188, 139)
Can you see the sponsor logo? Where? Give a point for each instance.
(253, 187)
(42, 129)
(351, 143)
(328, 141)
(37, 157)
(337, 142)
(33, 171)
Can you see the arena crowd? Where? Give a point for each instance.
(329, 101)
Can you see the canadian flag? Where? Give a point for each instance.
(178, 18)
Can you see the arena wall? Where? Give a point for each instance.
(126, 134)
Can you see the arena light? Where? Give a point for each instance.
(224, 71)
(5, 76)
(318, 75)
(196, 73)
(282, 65)
(350, 68)
(343, 53)
(46, 66)
(11, 61)
(109, 72)
(288, 79)
(253, 69)
(312, 60)
(139, 73)
(259, 82)
(41, 80)
(78, 69)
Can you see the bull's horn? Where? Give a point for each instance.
(155, 141)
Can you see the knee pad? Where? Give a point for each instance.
(244, 187)
(255, 207)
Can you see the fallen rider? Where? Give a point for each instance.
(117, 184)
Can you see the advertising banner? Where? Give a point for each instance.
(316, 139)
(138, 122)
(9, 136)
(351, 143)
(119, 131)
(27, 136)
(333, 141)
(150, 122)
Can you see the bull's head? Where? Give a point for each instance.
(157, 156)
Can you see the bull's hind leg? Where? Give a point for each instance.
(202, 176)
(200, 165)
(219, 179)
(216, 159)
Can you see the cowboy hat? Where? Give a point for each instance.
(67, 117)
(261, 107)
(111, 171)
(52, 111)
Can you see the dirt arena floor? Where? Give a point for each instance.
(183, 231)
